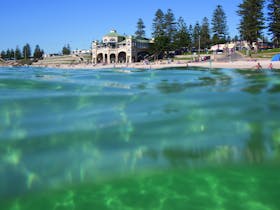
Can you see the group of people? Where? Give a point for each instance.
(259, 66)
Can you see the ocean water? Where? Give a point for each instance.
(131, 139)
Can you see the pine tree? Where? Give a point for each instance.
(182, 36)
(170, 25)
(8, 54)
(216, 39)
(205, 34)
(26, 51)
(18, 54)
(160, 46)
(12, 54)
(158, 24)
(140, 29)
(191, 35)
(274, 20)
(219, 24)
(3, 54)
(161, 41)
(66, 50)
(252, 19)
(38, 53)
(196, 35)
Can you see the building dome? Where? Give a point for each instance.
(113, 33)
(113, 37)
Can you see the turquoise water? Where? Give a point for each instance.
(139, 139)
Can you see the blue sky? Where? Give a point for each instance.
(54, 23)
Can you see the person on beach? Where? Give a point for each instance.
(270, 66)
(258, 66)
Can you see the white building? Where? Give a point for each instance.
(116, 48)
(78, 52)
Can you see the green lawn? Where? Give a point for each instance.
(268, 54)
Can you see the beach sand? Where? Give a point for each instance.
(206, 64)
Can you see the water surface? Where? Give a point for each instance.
(139, 139)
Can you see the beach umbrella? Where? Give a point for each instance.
(276, 57)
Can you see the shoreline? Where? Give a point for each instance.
(163, 65)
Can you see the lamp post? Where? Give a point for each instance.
(198, 46)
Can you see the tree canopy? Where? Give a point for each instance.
(170, 25)
(274, 20)
(182, 37)
(161, 40)
(66, 50)
(219, 24)
(196, 35)
(38, 53)
(26, 51)
(24, 54)
(18, 54)
(140, 32)
(252, 19)
(205, 34)
(3, 54)
(158, 24)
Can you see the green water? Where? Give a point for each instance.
(139, 139)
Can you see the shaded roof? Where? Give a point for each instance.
(143, 40)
